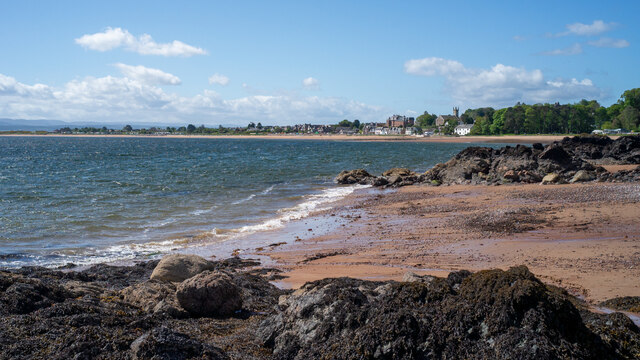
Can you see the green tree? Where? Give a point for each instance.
(259, 126)
(356, 124)
(345, 123)
(450, 127)
(631, 98)
(628, 119)
(190, 128)
(251, 125)
(426, 120)
(127, 128)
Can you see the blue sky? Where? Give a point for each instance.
(285, 62)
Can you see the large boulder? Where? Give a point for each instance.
(210, 294)
(358, 176)
(179, 267)
(163, 343)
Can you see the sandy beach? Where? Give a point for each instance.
(583, 237)
(506, 139)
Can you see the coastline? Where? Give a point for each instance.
(506, 139)
(582, 237)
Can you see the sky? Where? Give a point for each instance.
(289, 62)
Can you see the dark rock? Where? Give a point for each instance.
(358, 176)
(163, 343)
(210, 294)
(626, 303)
(22, 295)
(487, 315)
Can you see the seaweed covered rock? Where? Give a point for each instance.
(22, 295)
(210, 294)
(179, 267)
(487, 315)
(163, 343)
(358, 176)
(602, 149)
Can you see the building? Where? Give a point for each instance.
(400, 121)
(463, 129)
(442, 120)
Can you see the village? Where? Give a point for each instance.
(394, 125)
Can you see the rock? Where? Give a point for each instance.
(380, 181)
(555, 153)
(402, 172)
(154, 296)
(492, 314)
(22, 295)
(625, 303)
(624, 150)
(550, 179)
(210, 294)
(581, 176)
(163, 343)
(179, 267)
(410, 276)
(358, 176)
(511, 175)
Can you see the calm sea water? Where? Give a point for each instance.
(88, 200)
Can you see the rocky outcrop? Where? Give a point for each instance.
(603, 150)
(487, 315)
(567, 161)
(358, 176)
(116, 312)
(179, 267)
(210, 294)
(100, 313)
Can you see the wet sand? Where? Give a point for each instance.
(583, 237)
(510, 139)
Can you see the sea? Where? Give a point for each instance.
(90, 200)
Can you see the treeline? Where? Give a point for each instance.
(582, 117)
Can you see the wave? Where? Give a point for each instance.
(149, 250)
(262, 193)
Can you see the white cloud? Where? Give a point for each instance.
(310, 83)
(147, 75)
(218, 79)
(113, 38)
(574, 49)
(433, 66)
(609, 43)
(596, 28)
(501, 85)
(115, 99)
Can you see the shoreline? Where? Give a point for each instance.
(384, 234)
(505, 139)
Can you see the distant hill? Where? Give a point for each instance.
(50, 125)
(31, 125)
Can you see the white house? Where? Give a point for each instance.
(463, 130)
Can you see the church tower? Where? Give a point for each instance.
(455, 111)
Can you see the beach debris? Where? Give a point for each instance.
(179, 267)
(209, 294)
